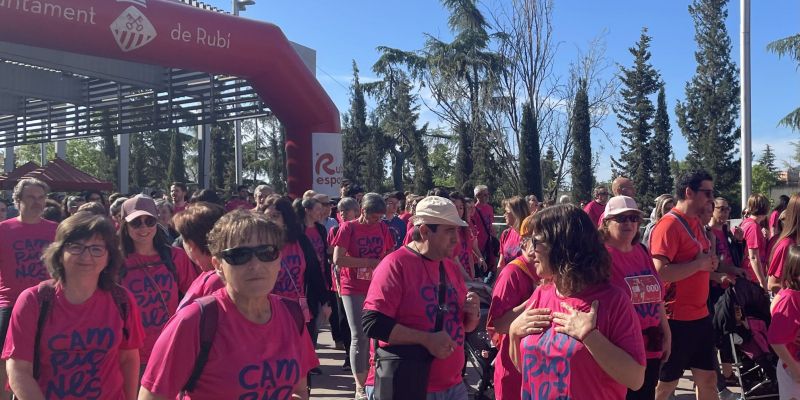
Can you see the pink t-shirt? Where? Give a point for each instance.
(723, 250)
(21, 247)
(779, 257)
(178, 208)
(773, 219)
(556, 365)
(206, 283)
(405, 288)
(512, 288)
(247, 360)
(405, 216)
(291, 277)
(79, 345)
(156, 292)
(754, 239)
(361, 241)
(463, 250)
(786, 321)
(635, 273)
(510, 244)
(482, 220)
(595, 211)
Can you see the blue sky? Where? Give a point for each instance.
(351, 30)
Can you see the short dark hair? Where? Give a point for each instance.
(196, 221)
(207, 195)
(691, 180)
(180, 185)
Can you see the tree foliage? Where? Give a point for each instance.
(767, 160)
(582, 177)
(660, 148)
(708, 116)
(790, 47)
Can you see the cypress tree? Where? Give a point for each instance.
(660, 148)
(176, 170)
(548, 166)
(635, 114)
(767, 160)
(708, 117)
(580, 130)
(355, 134)
(529, 157)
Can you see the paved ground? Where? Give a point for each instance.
(336, 384)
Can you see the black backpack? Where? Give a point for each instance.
(46, 293)
(209, 318)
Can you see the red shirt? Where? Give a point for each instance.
(405, 289)
(247, 360)
(21, 247)
(291, 278)
(755, 240)
(510, 244)
(79, 345)
(558, 366)
(361, 241)
(779, 257)
(513, 287)
(685, 300)
(482, 220)
(595, 211)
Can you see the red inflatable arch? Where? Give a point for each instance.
(172, 34)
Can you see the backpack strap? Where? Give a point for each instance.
(297, 313)
(165, 254)
(45, 294)
(120, 296)
(209, 316)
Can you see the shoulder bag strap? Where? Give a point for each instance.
(442, 298)
(45, 293)
(209, 316)
(683, 222)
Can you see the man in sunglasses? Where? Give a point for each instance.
(418, 296)
(683, 258)
(22, 241)
(596, 207)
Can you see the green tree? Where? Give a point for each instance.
(581, 161)
(788, 46)
(548, 170)
(708, 117)
(767, 160)
(443, 167)
(660, 148)
(763, 180)
(222, 156)
(176, 170)
(355, 132)
(529, 155)
(635, 113)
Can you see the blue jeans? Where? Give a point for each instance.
(457, 392)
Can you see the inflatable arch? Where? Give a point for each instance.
(176, 35)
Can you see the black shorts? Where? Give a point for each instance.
(692, 347)
(5, 318)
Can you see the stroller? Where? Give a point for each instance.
(741, 318)
(480, 351)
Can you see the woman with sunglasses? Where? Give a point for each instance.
(359, 246)
(156, 273)
(85, 342)
(633, 271)
(514, 286)
(257, 350)
(593, 349)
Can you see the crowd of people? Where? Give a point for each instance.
(182, 295)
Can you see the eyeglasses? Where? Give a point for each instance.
(77, 249)
(621, 219)
(243, 255)
(146, 220)
(708, 192)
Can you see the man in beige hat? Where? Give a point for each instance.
(405, 305)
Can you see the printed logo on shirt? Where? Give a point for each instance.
(269, 379)
(546, 363)
(76, 359)
(370, 247)
(153, 293)
(451, 323)
(286, 285)
(644, 289)
(28, 259)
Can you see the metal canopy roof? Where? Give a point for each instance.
(49, 95)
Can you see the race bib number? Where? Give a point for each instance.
(644, 289)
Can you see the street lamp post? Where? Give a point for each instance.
(239, 5)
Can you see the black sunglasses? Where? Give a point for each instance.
(621, 219)
(146, 220)
(243, 255)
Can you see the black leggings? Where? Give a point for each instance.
(648, 389)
